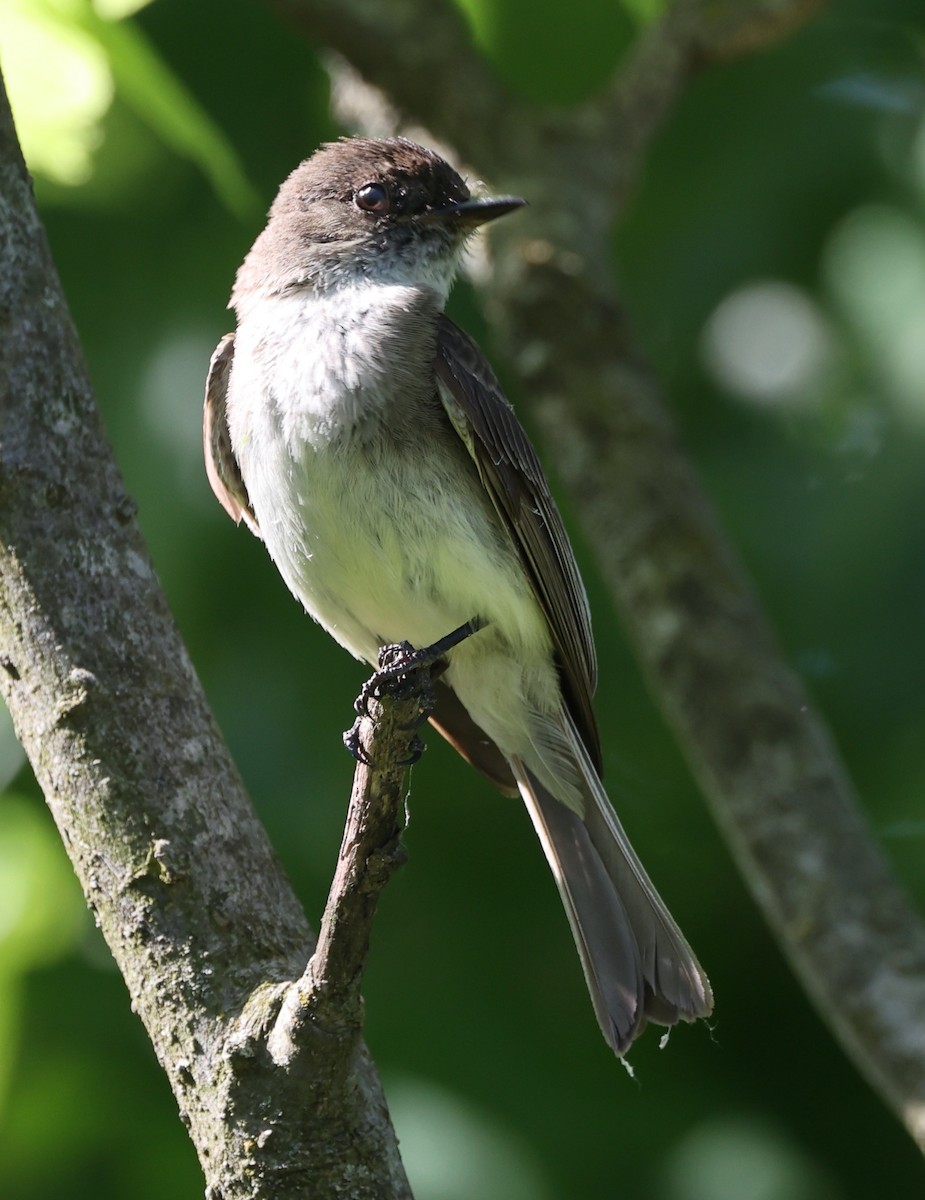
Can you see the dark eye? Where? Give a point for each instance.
(372, 197)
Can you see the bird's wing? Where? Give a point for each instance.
(221, 465)
(511, 474)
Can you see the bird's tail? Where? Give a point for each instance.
(637, 964)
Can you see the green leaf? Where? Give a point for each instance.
(60, 89)
(645, 11)
(146, 83)
(66, 59)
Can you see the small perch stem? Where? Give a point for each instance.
(328, 994)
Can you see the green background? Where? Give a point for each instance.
(788, 188)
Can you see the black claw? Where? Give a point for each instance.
(361, 704)
(354, 743)
(395, 662)
(398, 663)
(415, 750)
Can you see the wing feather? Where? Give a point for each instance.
(514, 479)
(221, 465)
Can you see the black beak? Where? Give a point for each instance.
(471, 213)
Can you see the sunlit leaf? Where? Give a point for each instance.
(60, 87)
(145, 82)
(64, 64)
(115, 10)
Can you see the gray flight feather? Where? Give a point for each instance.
(636, 962)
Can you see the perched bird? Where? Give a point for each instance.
(362, 435)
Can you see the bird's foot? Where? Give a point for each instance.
(398, 664)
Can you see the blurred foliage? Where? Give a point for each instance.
(774, 262)
(66, 60)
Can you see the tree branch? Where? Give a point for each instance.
(470, 102)
(328, 994)
(751, 736)
(692, 36)
(171, 857)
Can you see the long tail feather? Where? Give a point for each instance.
(636, 961)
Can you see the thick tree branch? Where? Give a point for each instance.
(384, 41)
(172, 859)
(762, 754)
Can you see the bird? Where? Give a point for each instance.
(363, 436)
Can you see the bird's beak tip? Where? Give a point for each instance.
(472, 213)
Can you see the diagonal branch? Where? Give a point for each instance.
(749, 730)
(173, 862)
(425, 54)
(763, 756)
(328, 994)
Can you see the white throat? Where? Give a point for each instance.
(318, 364)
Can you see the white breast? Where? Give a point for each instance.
(380, 541)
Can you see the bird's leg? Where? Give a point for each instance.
(396, 663)
(400, 659)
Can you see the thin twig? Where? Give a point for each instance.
(328, 994)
